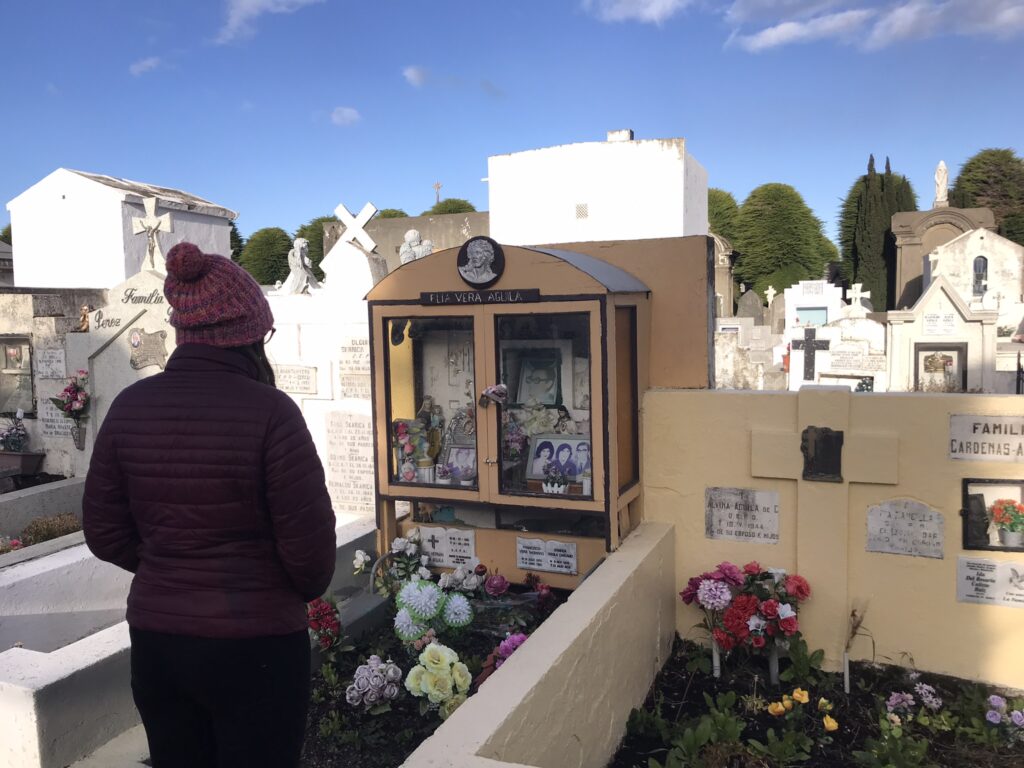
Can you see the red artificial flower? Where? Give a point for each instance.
(746, 605)
(725, 642)
(798, 587)
(752, 568)
(788, 625)
(757, 641)
(736, 625)
(770, 629)
(480, 569)
(770, 609)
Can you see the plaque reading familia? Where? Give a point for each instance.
(354, 357)
(551, 556)
(448, 547)
(50, 364)
(350, 462)
(986, 438)
(741, 514)
(990, 582)
(296, 379)
(905, 527)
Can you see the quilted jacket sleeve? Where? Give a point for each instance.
(107, 521)
(300, 508)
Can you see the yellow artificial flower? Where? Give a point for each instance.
(824, 705)
(446, 709)
(414, 680)
(437, 686)
(776, 708)
(830, 724)
(800, 695)
(435, 658)
(461, 677)
(787, 702)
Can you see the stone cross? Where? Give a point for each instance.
(823, 527)
(855, 294)
(354, 225)
(770, 295)
(810, 345)
(433, 541)
(150, 224)
(437, 191)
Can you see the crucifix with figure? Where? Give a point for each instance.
(437, 191)
(150, 225)
(810, 346)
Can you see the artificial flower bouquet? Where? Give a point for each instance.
(440, 679)
(73, 400)
(749, 606)
(375, 685)
(1007, 514)
(15, 436)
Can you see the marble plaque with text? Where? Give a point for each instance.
(296, 379)
(741, 514)
(354, 357)
(52, 422)
(350, 462)
(50, 363)
(448, 547)
(986, 438)
(905, 527)
(551, 556)
(990, 582)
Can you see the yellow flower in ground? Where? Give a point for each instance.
(437, 686)
(436, 658)
(776, 708)
(824, 705)
(829, 723)
(451, 705)
(787, 702)
(414, 680)
(800, 695)
(461, 677)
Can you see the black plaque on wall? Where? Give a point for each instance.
(823, 454)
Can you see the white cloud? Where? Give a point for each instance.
(242, 15)
(840, 26)
(345, 116)
(652, 11)
(769, 11)
(142, 66)
(922, 19)
(415, 75)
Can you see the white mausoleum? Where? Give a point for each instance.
(75, 230)
(619, 189)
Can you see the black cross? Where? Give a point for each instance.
(810, 346)
(434, 541)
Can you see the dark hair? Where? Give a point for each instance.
(582, 446)
(559, 451)
(255, 354)
(546, 444)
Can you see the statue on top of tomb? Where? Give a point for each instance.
(301, 278)
(941, 185)
(414, 248)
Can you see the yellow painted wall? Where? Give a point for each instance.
(695, 439)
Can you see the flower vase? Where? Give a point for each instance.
(773, 665)
(716, 660)
(1009, 538)
(553, 488)
(78, 435)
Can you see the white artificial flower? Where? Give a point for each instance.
(360, 560)
(471, 582)
(786, 610)
(424, 573)
(411, 549)
(445, 581)
(756, 623)
(414, 535)
(424, 559)
(415, 577)
(398, 545)
(778, 574)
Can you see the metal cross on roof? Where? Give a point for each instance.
(149, 225)
(354, 225)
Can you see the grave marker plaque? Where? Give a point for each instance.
(986, 438)
(350, 462)
(448, 547)
(905, 527)
(550, 556)
(741, 514)
(52, 422)
(296, 379)
(50, 363)
(354, 357)
(990, 582)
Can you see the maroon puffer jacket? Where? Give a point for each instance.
(206, 485)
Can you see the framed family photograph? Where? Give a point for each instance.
(462, 457)
(537, 371)
(569, 453)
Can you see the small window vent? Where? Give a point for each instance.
(582, 211)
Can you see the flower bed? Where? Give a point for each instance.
(375, 701)
(892, 716)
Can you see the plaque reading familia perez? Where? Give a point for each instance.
(741, 514)
(905, 527)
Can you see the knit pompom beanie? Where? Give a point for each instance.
(213, 300)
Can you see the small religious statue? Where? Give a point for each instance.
(414, 248)
(941, 185)
(565, 424)
(83, 321)
(301, 278)
(149, 225)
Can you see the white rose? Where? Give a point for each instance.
(424, 559)
(398, 545)
(756, 623)
(424, 573)
(445, 581)
(411, 549)
(471, 582)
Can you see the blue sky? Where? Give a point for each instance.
(281, 109)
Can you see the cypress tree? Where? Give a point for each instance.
(994, 178)
(237, 243)
(869, 238)
(265, 255)
(722, 213)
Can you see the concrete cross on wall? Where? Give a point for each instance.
(354, 225)
(810, 346)
(855, 294)
(149, 225)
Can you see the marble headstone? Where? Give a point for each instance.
(750, 306)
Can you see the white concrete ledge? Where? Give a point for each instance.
(563, 699)
(19, 508)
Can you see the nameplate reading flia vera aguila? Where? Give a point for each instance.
(508, 296)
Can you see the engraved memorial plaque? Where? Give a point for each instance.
(905, 527)
(147, 348)
(741, 514)
(296, 379)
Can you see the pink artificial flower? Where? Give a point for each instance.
(496, 585)
(731, 573)
(770, 609)
(788, 625)
(752, 568)
(797, 587)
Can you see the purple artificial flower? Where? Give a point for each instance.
(731, 574)
(900, 701)
(929, 698)
(1017, 718)
(714, 595)
(689, 594)
(993, 717)
(507, 646)
(496, 585)
(997, 702)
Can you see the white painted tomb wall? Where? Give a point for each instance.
(618, 189)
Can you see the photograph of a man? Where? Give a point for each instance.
(481, 262)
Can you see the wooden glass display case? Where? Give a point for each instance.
(506, 388)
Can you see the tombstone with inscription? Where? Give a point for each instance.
(750, 306)
(856, 355)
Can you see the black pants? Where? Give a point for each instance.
(210, 703)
